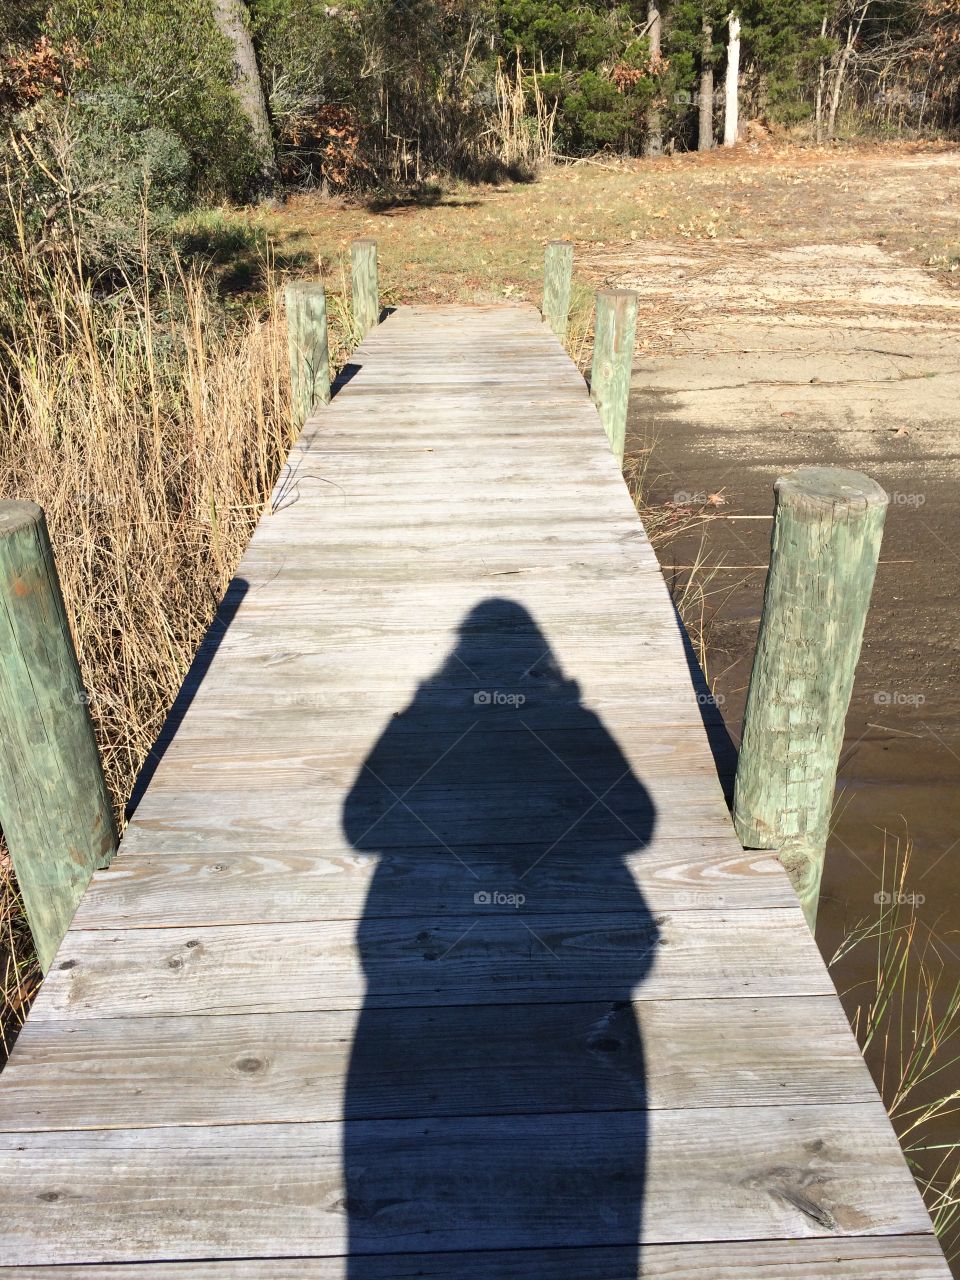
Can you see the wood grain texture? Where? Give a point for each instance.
(854, 1258)
(557, 285)
(366, 290)
(144, 890)
(308, 347)
(430, 949)
(769, 1172)
(286, 821)
(466, 959)
(501, 1059)
(615, 333)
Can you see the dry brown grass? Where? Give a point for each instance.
(19, 972)
(150, 430)
(525, 122)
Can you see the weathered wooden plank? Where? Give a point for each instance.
(493, 1060)
(278, 749)
(316, 565)
(514, 657)
(485, 570)
(474, 958)
(363, 714)
(545, 817)
(855, 1258)
(280, 667)
(503, 758)
(467, 1183)
(143, 891)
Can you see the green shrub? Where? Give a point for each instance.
(597, 68)
(20, 21)
(86, 171)
(177, 69)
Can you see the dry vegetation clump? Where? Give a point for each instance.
(150, 427)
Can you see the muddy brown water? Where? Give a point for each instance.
(900, 767)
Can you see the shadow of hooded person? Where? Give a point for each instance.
(496, 1094)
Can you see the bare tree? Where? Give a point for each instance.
(231, 19)
(731, 98)
(855, 16)
(821, 84)
(653, 141)
(705, 138)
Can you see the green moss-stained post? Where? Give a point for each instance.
(615, 333)
(54, 806)
(557, 285)
(366, 290)
(309, 353)
(827, 528)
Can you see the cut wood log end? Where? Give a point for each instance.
(829, 486)
(15, 516)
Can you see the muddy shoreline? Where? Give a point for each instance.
(752, 365)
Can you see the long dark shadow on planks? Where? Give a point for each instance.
(211, 642)
(473, 1182)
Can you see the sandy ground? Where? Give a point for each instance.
(758, 357)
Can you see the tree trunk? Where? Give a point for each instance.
(731, 101)
(821, 84)
(837, 87)
(705, 138)
(653, 142)
(853, 31)
(230, 17)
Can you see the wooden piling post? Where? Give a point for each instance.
(827, 528)
(366, 290)
(54, 805)
(306, 305)
(615, 333)
(557, 285)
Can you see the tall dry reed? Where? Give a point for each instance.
(150, 428)
(525, 122)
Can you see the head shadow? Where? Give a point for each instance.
(496, 1094)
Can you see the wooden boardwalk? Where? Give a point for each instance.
(430, 950)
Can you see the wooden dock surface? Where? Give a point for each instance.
(430, 950)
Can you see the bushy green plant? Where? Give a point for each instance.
(782, 40)
(20, 20)
(311, 58)
(85, 173)
(596, 65)
(177, 72)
